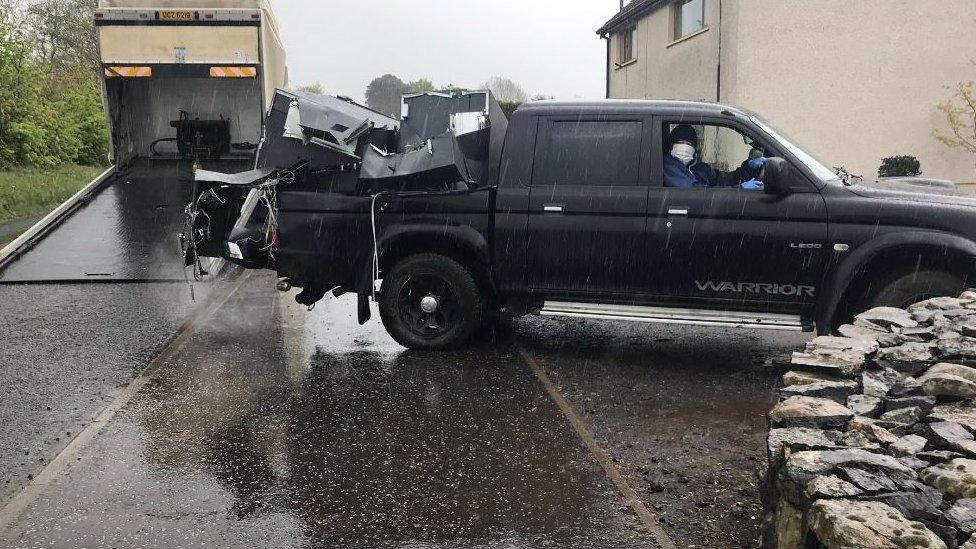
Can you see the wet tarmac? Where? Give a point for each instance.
(126, 232)
(276, 427)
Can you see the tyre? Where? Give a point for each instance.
(907, 289)
(431, 302)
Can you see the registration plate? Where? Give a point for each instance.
(176, 15)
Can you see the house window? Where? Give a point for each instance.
(689, 17)
(627, 52)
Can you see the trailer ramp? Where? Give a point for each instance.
(125, 232)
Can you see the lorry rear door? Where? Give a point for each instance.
(587, 204)
(730, 247)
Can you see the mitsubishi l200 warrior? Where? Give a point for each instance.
(454, 214)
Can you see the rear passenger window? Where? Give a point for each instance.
(595, 153)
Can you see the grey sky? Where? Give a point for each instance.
(548, 46)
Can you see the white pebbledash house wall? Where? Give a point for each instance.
(853, 81)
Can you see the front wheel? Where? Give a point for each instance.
(431, 302)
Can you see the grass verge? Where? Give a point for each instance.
(26, 192)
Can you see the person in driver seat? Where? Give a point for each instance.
(683, 168)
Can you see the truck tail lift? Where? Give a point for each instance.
(327, 144)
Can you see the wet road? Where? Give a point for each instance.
(126, 232)
(276, 427)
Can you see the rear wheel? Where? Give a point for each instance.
(431, 302)
(907, 289)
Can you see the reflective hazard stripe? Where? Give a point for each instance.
(233, 72)
(128, 72)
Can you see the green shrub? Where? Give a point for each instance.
(900, 166)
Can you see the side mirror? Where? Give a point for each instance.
(775, 176)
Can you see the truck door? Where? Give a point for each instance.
(587, 204)
(729, 247)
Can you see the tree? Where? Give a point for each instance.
(505, 90)
(960, 113)
(384, 94)
(314, 87)
(421, 85)
(65, 35)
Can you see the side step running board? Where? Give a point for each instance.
(662, 315)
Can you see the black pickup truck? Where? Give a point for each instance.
(569, 214)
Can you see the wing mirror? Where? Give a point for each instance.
(776, 176)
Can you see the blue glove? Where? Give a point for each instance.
(757, 163)
(752, 185)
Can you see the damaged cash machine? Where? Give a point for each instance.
(324, 154)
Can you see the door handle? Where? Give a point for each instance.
(553, 208)
(678, 211)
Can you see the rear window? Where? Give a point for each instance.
(594, 153)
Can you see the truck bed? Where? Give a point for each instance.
(126, 233)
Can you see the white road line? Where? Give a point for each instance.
(59, 465)
(649, 519)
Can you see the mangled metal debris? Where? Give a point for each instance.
(446, 142)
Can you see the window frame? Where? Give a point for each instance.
(754, 132)
(631, 32)
(676, 19)
(542, 175)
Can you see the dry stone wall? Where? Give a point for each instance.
(873, 443)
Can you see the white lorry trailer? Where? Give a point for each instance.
(184, 81)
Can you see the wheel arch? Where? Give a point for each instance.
(464, 245)
(886, 254)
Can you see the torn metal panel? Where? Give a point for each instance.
(249, 178)
(326, 131)
(439, 164)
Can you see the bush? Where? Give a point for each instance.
(900, 166)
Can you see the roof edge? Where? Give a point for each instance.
(635, 9)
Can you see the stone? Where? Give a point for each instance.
(905, 388)
(838, 391)
(969, 295)
(802, 467)
(953, 314)
(894, 340)
(958, 348)
(938, 304)
(795, 377)
(908, 416)
(878, 383)
(908, 445)
(948, 385)
(936, 457)
(966, 447)
(956, 478)
(788, 528)
(861, 332)
(965, 325)
(944, 434)
(917, 505)
(845, 523)
(801, 411)
(909, 358)
(870, 429)
(923, 333)
(864, 405)
(831, 486)
(886, 317)
(913, 463)
(825, 344)
(798, 439)
(957, 413)
(840, 363)
(958, 370)
(857, 439)
(926, 403)
(947, 534)
(869, 481)
(962, 515)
